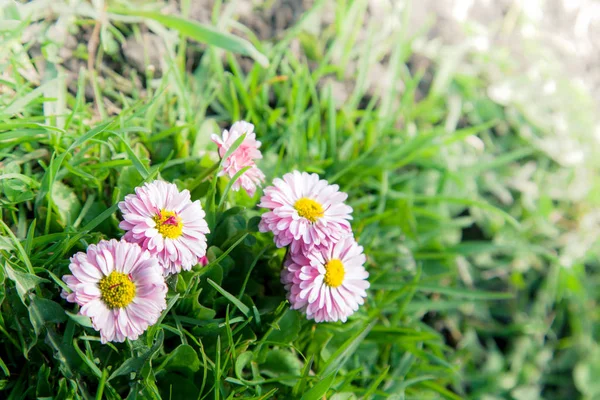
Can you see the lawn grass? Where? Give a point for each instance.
(481, 247)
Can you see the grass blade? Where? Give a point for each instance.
(241, 306)
(202, 33)
(337, 360)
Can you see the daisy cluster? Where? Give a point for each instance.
(323, 272)
(120, 285)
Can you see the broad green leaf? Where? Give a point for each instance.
(24, 282)
(281, 363)
(128, 179)
(64, 351)
(287, 328)
(183, 359)
(6, 244)
(66, 202)
(43, 311)
(241, 362)
(202, 138)
(177, 387)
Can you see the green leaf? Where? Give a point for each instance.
(346, 396)
(586, 374)
(282, 363)
(89, 362)
(89, 226)
(64, 351)
(202, 138)
(241, 306)
(64, 391)
(66, 203)
(376, 383)
(465, 293)
(202, 33)
(135, 364)
(156, 327)
(4, 368)
(135, 160)
(471, 203)
(301, 384)
(224, 254)
(5, 244)
(183, 359)
(243, 359)
(318, 391)
(385, 334)
(55, 165)
(337, 360)
(24, 282)
(287, 329)
(230, 184)
(128, 179)
(21, 102)
(215, 273)
(43, 311)
(21, 251)
(190, 306)
(43, 387)
(177, 387)
(252, 225)
(80, 319)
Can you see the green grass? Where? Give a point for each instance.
(483, 269)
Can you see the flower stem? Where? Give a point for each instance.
(101, 385)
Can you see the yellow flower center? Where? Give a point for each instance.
(117, 290)
(309, 209)
(168, 224)
(334, 273)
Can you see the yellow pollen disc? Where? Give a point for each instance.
(309, 209)
(334, 273)
(117, 290)
(168, 224)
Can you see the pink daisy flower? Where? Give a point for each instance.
(327, 283)
(305, 211)
(242, 157)
(119, 286)
(167, 223)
